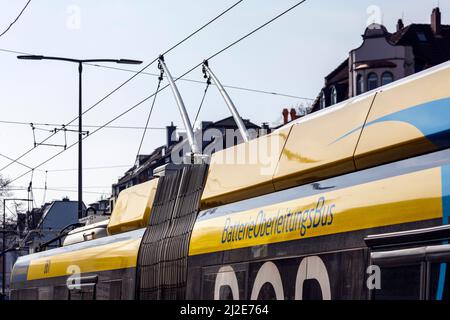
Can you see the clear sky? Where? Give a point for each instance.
(290, 56)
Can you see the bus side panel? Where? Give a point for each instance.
(336, 268)
(109, 285)
(338, 275)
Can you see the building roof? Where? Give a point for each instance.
(429, 49)
(55, 217)
(375, 30)
(229, 122)
(339, 74)
(59, 214)
(164, 151)
(143, 163)
(432, 49)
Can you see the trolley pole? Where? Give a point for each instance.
(237, 118)
(181, 107)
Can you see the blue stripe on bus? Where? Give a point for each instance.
(445, 170)
(432, 119)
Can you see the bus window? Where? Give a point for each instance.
(28, 294)
(412, 271)
(438, 258)
(399, 283)
(109, 290)
(75, 295)
(439, 281)
(60, 293)
(85, 292)
(45, 293)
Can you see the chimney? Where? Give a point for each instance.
(436, 21)
(265, 129)
(170, 130)
(400, 25)
(293, 114)
(285, 116)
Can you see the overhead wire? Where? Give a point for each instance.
(56, 189)
(163, 88)
(133, 76)
(187, 72)
(15, 20)
(136, 73)
(160, 79)
(201, 82)
(84, 126)
(235, 87)
(18, 162)
(208, 83)
(91, 168)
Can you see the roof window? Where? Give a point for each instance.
(422, 37)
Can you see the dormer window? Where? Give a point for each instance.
(322, 101)
(421, 36)
(333, 95)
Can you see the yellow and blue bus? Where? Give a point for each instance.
(351, 202)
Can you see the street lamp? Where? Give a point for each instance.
(80, 126)
(4, 243)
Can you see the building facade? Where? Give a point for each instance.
(384, 57)
(54, 217)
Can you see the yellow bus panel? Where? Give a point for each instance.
(407, 118)
(400, 199)
(243, 171)
(312, 152)
(133, 207)
(117, 255)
